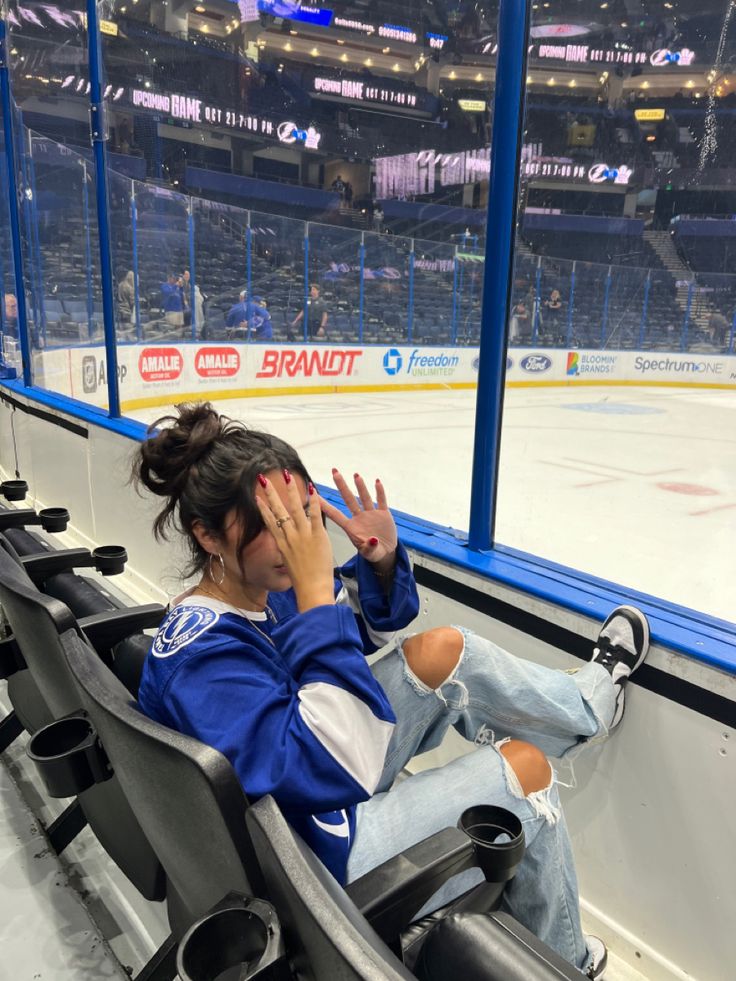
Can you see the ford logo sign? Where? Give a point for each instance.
(536, 363)
(509, 364)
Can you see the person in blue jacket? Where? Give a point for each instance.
(172, 298)
(264, 658)
(249, 317)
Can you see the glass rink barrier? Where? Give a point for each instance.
(474, 262)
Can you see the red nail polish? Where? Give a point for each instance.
(262, 480)
(335, 470)
(310, 488)
(287, 476)
(373, 541)
(356, 476)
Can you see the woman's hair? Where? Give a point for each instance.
(207, 465)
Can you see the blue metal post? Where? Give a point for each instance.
(249, 258)
(26, 195)
(192, 272)
(453, 325)
(410, 311)
(570, 307)
(305, 318)
(460, 291)
(14, 215)
(99, 145)
(606, 298)
(644, 310)
(136, 281)
(537, 300)
(87, 250)
(35, 239)
(686, 321)
(361, 294)
(508, 115)
(731, 335)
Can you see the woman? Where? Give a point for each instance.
(126, 296)
(264, 658)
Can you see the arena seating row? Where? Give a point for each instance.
(240, 888)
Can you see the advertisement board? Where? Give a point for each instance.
(158, 374)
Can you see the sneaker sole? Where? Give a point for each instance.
(643, 623)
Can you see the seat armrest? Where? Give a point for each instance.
(104, 630)
(41, 567)
(391, 895)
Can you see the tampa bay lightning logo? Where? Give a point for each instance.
(392, 361)
(181, 627)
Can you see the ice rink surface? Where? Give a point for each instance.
(634, 485)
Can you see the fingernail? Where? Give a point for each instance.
(356, 476)
(335, 470)
(310, 488)
(373, 541)
(262, 480)
(287, 476)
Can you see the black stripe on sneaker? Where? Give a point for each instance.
(685, 693)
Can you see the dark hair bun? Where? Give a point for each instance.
(175, 444)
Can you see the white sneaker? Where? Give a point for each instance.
(599, 953)
(621, 647)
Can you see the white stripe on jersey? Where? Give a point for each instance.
(347, 729)
(348, 596)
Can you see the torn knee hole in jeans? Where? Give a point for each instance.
(451, 686)
(540, 800)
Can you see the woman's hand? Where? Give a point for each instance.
(370, 527)
(302, 540)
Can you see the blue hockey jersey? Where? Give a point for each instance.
(289, 698)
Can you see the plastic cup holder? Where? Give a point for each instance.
(68, 756)
(498, 840)
(54, 519)
(110, 559)
(14, 490)
(230, 943)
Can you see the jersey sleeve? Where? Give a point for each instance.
(379, 614)
(314, 735)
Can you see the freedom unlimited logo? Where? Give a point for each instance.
(420, 365)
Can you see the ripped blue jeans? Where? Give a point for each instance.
(490, 696)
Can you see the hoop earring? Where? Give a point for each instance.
(221, 580)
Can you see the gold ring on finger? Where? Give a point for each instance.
(282, 521)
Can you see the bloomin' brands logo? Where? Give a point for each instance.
(590, 364)
(420, 365)
(183, 625)
(160, 364)
(683, 366)
(324, 364)
(535, 364)
(217, 362)
(392, 361)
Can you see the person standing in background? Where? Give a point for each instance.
(173, 301)
(317, 315)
